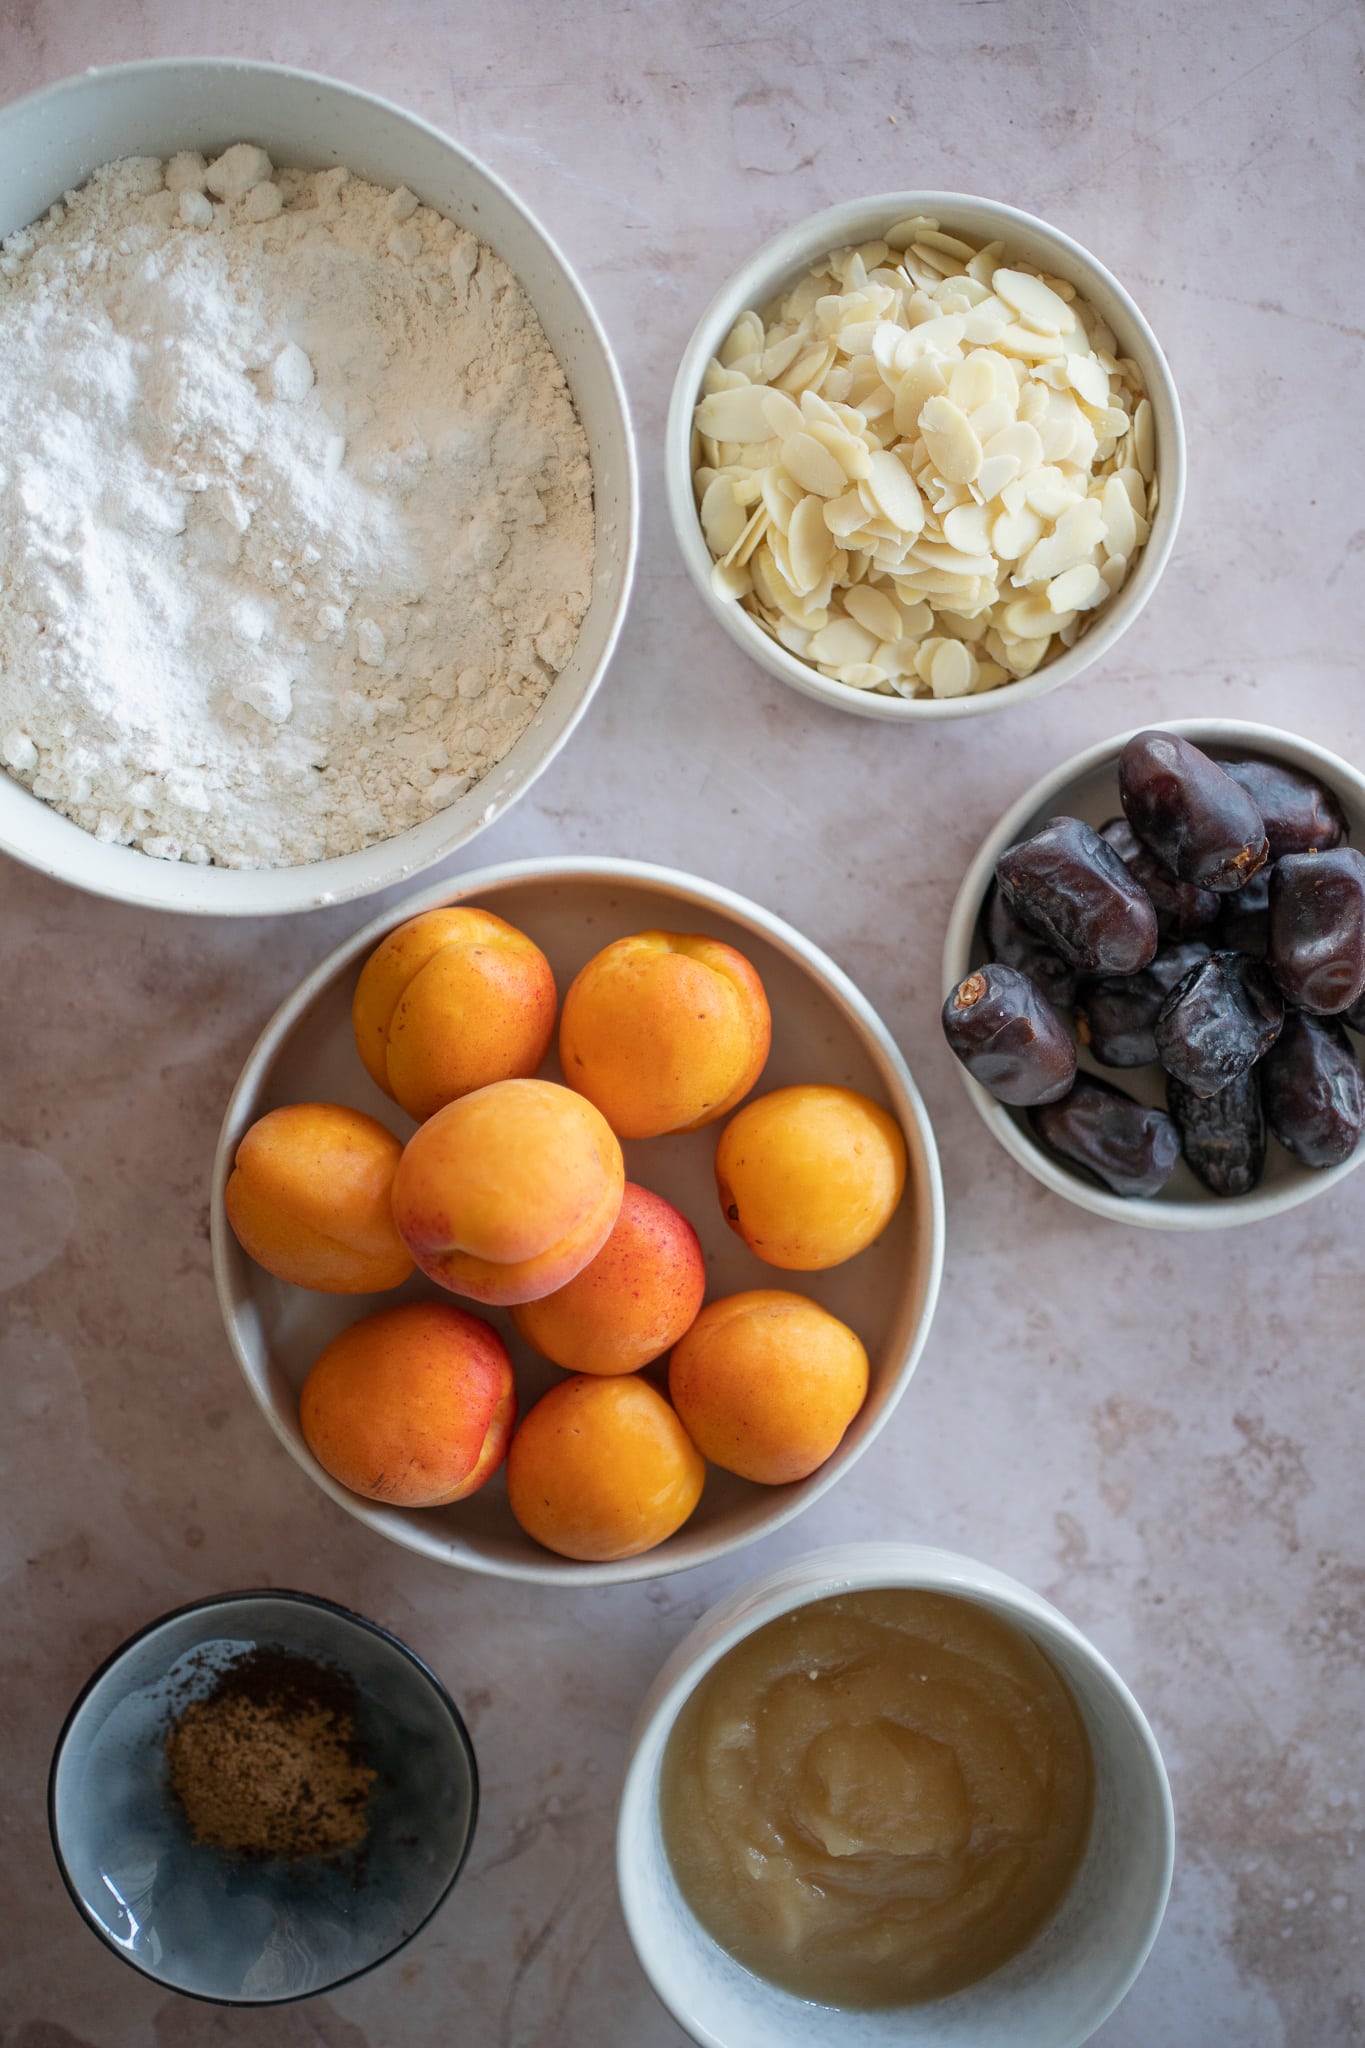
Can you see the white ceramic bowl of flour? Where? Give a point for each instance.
(50, 143)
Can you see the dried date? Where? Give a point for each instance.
(1299, 814)
(1014, 945)
(1072, 889)
(1131, 1148)
(1198, 822)
(1316, 941)
(1008, 1036)
(1222, 1135)
(1182, 910)
(1314, 1091)
(1116, 1013)
(1216, 1023)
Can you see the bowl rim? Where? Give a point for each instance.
(288, 1595)
(1155, 1214)
(309, 885)
(700, 893)
(758, 275)
(822, 1574)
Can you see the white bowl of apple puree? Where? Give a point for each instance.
(886, 1794)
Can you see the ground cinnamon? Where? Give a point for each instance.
(267, 1763)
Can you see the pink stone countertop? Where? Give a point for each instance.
(1163, 1435)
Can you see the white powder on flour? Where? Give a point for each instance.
(296, 519)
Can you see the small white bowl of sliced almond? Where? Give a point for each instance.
(925, 457)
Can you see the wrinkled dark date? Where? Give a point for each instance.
(1314, 1091)
(1014, 945)
(1316, 941)
(1008, 1036)
(1299, 814)
(1197, 821)
(1355, 1016)
(1182, 910)
(1129, 1147)
(1222, 1135)
(1072, 889)
(1244, 926)
(1116, 1013)
(1216, 1023)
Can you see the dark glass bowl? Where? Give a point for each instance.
(257, 1932)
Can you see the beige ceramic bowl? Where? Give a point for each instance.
(823, 1030)
(51, 142)
(775, 269)
(1087, 787)
(1055, 1992)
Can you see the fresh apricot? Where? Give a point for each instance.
(631, 1302)
(808, 1176)
(664, 1031)
(602, 1469)
(414, 1405)
(766, 1383)
(309, 1199)
(507, 1193)
(449, 1002)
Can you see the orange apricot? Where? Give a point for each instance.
(602, 1469)
(766, 1383)
(414, 1405)
(631, 1302)
(507, 1193)
(664, 1031)
(449, 1002)
(309, 1199)
(809, 1176)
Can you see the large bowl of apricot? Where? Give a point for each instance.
(576, 1221)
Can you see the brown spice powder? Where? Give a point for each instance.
(267, 1763)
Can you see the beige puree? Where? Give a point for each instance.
(879, 1798)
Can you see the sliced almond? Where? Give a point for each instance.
(1014, 533)
(950, 439)
(967, 528)
(730, 582)
(848, 450)
(809, 463)
(722, 516)
(1119, 518)
(922, 381)
(971, 383)
(745, 338)
(875, 611)
(843, 642)
(810, 544)
(1144, 440)
(1076, 590)
(1087, 379)
(951, 669)
(735, 415)
(893, 491)
(807, 371)
(1034, 301)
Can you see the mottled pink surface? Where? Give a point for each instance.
(1161, 1434)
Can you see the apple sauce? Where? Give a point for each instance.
(879, 1798)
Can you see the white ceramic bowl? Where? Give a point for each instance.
(50, 143)
(823, 1030)
(778, 266)
(1058, 1990)
(1087, 787)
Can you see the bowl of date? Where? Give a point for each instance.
(1154, 975)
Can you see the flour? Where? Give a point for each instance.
(296, 521)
